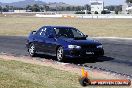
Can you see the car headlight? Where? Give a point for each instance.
(74, 47)
(99, 46)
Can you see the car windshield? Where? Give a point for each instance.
(68, 32)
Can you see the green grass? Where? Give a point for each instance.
(92, 27)
(14, 74)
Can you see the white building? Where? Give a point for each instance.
(97, 6)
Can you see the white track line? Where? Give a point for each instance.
(112, 38)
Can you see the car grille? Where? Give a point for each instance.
(88, 47)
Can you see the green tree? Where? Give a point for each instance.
(29, 7)
(73, 8)
(96, 12)
(0, 9)
(11, 8)
(114, 7)
(129, 1)
(87, 7)
(41, 8)
(62, 9)
(68, 8)
(111, 7)
(46, 8)
(35, 8)
(7, 8)
(78, 8)
(118, 9)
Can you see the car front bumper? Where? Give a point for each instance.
(82, 53)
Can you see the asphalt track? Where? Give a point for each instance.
(118, 53)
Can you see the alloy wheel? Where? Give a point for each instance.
(60, 54)
(32, 49)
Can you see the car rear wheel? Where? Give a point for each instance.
(32, 50)
(60, 54)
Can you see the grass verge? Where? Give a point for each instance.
(17, 74)
(91, 27)
(14, 74)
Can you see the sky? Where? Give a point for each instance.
(76, 2)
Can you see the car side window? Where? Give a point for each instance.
(41, 32)
(76, 33)
(50, 31)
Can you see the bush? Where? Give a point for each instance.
(96, 12)
(116, 12)
(80, 13)
(103, 12)
(88, 12)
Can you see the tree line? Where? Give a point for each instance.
(37, 8)
(41, 8)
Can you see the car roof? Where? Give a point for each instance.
(58, 27)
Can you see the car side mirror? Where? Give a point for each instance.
(33, 32)
(86, 35)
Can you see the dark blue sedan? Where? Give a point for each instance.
(63, 42)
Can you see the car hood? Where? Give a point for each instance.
(86, 41)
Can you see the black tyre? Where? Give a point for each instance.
(60, 54)
(84, 81)
(32, 50)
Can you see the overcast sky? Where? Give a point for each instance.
(76, 2)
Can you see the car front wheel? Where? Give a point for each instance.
(32, 50)
(60, 54)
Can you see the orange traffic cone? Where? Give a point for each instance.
(84, 81)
